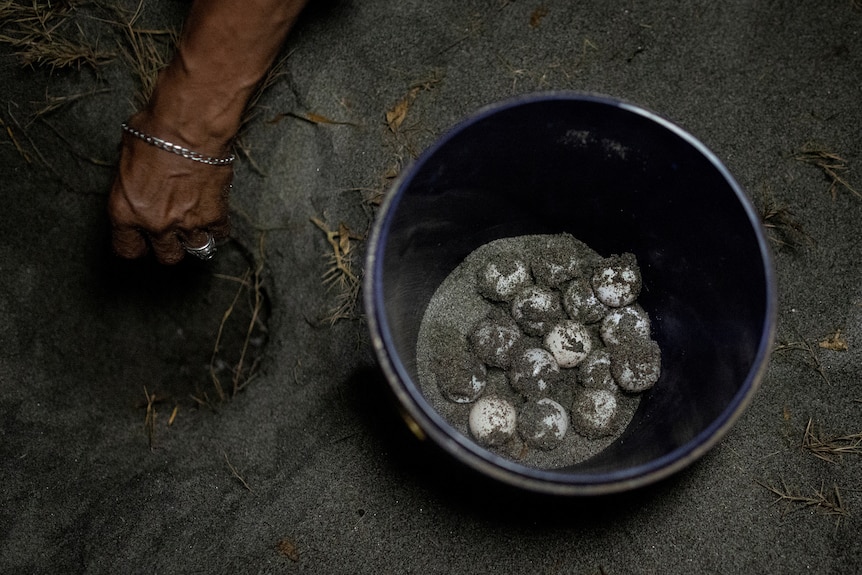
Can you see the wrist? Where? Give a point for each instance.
(195, 106)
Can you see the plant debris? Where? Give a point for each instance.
(47, 34)
(339, 274)
(827, 501)
(396, 115)
(146, 52)
(831, 164)
(537, 16)
(311, 118)
(811, 351)
(242, 373)
(287, 548)
(835, 342)
(235, 473)
(15, 142)
(150, 419)
(830, 448)
(173, 416)
(781, 224)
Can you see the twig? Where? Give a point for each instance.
(807, 347)
(216, 347)
(53, 103)
(235, 473)
(150, 419)
(255, 313)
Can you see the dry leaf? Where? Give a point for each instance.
(537, 16)
(391, 172)
(395, 117)
(835, 342)
(288, 548)
(344, 238)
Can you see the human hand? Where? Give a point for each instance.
(163, 201)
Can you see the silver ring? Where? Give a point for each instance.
(206, 251)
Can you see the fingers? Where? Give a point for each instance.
(128, 243)
(168, 248)
(165, 202)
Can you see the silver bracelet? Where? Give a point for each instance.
(179, 150)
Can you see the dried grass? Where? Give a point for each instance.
(810, 350)
(242, 371)
(782, 227)
(339, 274)
(150, 419)
(145, 51)
(46, 34)
(833, 166)
(236, 473)
(826, 501)
(830, 448)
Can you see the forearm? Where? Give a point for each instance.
(225, 50)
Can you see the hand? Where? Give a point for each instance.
(161, 200)
(164, 201)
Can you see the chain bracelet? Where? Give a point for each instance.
(179, 150)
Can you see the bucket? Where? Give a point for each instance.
(621, 179)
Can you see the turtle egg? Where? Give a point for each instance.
(461, 377)
(569, 342)
(492, 420)
(595, 371)
(534, 306)
(581, 303)
(594, 413)
(534, 372)
(493, 340)
(543, 423)
(636, 368)
(625, 325)
(617, 281)
(502, 277)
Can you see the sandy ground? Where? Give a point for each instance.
(307, 469)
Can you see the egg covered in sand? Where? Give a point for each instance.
(492, 420)
(569, 342)
(617, 280)
(494, 339)
(636, 368)
(534, 373)
(460, 376)
(594, 413)
(502, 277)
(625, 325)
(543, 423)
(534, 306)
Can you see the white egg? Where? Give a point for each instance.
(501, 278)
(617, 282)
(492, 420)
(627, 324)
(594, 413)
(569, 342)
(543, 423)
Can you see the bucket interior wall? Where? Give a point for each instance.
(618, 181)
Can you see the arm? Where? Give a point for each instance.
(163, 199)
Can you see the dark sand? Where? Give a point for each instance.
(334, 476)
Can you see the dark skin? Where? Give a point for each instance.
(161, 201)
